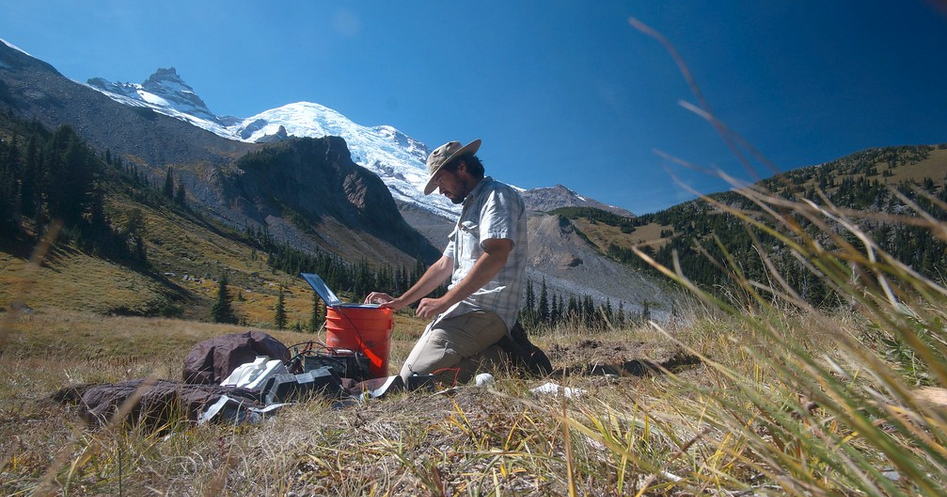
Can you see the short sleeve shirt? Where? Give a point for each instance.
(491, 210)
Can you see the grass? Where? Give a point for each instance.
(756, 394)
(742, 421)
(603, 235)
(63, 282)
(472, 441)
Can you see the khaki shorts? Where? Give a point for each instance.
(454, 348)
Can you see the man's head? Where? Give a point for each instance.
(454, 170)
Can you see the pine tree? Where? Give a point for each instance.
(135, 230)
(574, 311)
(588, 311)
(554, 312)
(543, 311)
(169, 184)
(315, 321)
(528, 313)
(222, 311)
(280, 319)
(179, 196)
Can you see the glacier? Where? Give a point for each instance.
(393, 156)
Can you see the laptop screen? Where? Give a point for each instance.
(328, 295)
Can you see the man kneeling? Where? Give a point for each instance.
(485, 260)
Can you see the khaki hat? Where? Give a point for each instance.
(443, 155)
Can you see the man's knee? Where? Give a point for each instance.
(456, 348)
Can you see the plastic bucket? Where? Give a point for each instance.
(364, 329)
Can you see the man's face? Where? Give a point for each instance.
(455, 185)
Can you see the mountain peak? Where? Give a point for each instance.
(164, 89)
(551, 198)
(169, 74)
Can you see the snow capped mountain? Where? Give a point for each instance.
(166, 93)
(164, 89)
(395, 157)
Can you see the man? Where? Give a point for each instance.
(485, 260)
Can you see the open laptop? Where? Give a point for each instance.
(328, 295)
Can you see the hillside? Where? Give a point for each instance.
(206, 166)
(124, 247)
(865, 181)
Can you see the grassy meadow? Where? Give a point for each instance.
(758, 394)
(755, 392)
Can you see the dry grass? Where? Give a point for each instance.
(604, 235)
(72, 280)
(623, 434)
(473, 441)
(747, 417)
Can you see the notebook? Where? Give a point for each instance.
(328, 295)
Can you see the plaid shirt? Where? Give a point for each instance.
(491, 210)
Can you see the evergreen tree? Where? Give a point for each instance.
(134, 231)
(315, 321)
(574, 311)
(554, 312)
(169, 184)
(222, 311)
(71, 173)
(530, 296)
(9, 224)
(179, 195)
(530, 299)
(588, 311)
(543, 310)
(280, 319)
(29, 183)
(528, 313)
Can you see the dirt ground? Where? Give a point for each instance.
(595, 357)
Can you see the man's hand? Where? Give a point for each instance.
(428, 308)
(385, 300)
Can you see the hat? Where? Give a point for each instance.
(443, 155)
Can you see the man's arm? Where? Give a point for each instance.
(496, 251)
(430, 280)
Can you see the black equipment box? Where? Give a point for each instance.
(292, 387)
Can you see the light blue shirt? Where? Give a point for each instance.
(491, 210)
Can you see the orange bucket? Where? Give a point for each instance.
(362, 329)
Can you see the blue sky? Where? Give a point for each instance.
(560, 92)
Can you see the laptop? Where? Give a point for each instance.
(328, 295)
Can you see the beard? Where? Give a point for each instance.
(458, 198)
